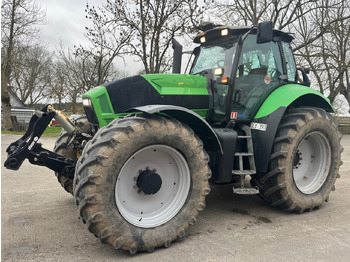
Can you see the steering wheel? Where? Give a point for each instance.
(220, 63)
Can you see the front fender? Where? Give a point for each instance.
(201, 128)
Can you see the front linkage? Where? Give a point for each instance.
(28, 147)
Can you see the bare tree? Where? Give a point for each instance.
(58, 83)
(329, 55)
(97, 66)
(321, 32)
(285, 15)
(18, 18)
(79, 72)
(31, 73)
(106, 43)
(250, 12)
(72, 68)
(149, 25)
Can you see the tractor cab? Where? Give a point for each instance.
(243, 66)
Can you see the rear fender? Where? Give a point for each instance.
(266, 121)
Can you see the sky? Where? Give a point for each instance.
(66, 22)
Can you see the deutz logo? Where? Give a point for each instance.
(33, 143)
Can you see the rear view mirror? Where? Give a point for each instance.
(264, 33)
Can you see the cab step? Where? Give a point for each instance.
(244, 154)
(243, 172)
(246, 191)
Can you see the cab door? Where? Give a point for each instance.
(258, 73)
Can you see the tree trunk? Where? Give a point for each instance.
(5, 74)
(73, 108)
(5, 103)
(59, 102)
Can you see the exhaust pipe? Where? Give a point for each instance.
(177, 56)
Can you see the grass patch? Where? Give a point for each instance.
(51, 131)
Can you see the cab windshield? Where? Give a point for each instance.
(216, 54)
(258, 72)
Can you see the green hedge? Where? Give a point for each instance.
(52, 131)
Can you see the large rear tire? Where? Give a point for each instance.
(304, 162)
(141, 182)
(83, 126)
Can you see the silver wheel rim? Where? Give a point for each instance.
(152, 210)
(311, 163)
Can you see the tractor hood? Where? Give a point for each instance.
(178, 84)
(188, 91)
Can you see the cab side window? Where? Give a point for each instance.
(263, 59)
(291, 67)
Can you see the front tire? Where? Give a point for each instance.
(141, 182)
(304, 162)
(82, 126)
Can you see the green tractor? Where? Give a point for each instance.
(140, 163)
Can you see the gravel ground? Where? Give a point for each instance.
(40, 222)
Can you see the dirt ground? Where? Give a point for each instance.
(40, 222)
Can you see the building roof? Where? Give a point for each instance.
(15, 101)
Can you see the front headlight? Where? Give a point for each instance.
(87, 102)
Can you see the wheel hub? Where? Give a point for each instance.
(152, 186)
(149, 182)
(297, 159)
(311, 162)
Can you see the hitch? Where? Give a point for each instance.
(28, 147)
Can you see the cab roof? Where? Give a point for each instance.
(215, 33)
